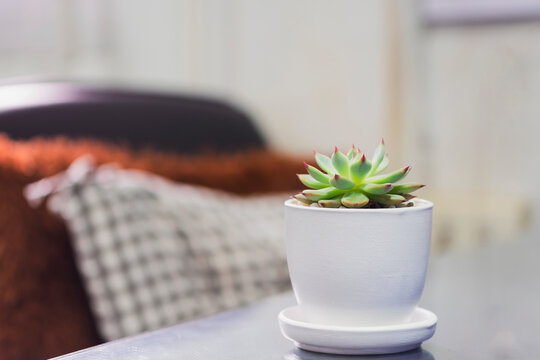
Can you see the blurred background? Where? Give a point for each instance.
(452, 85)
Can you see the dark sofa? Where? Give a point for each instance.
(44, 311)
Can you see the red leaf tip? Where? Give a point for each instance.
(306, 165)
(363, 159)
(382, 141)
(336, 149)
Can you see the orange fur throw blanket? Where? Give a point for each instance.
(43, 309)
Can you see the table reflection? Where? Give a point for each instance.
(417, 354)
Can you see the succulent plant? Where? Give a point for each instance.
(352, 181)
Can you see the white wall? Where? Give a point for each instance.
(313, 73)
(32, 38)
(457, 103)
(481, 91)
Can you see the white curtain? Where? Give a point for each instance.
(459, 104)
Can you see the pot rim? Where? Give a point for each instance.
(419, 205)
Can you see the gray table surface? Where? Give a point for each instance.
(487, 302)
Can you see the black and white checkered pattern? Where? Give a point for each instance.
(153, 253)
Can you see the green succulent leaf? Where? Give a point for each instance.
(330, 203)
(377, 189)
(349, 179)
(352, 153)
(310, 182)
(317, 174)
(354, 199)
(341, 182)
(302, 199)
(378, 156)
(359, 169)
(408, 196)
(390, 178)
(382, 166)
(406, 188)
(325, 163)
(388, 199)
(340, 162)
(322, 194)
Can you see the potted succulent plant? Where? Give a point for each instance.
(357, 248)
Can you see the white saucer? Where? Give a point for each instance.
(359, 340)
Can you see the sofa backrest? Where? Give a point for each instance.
(184, 124)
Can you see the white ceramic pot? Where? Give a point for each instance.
(358, 267)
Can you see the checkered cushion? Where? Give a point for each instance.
(153, 253)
